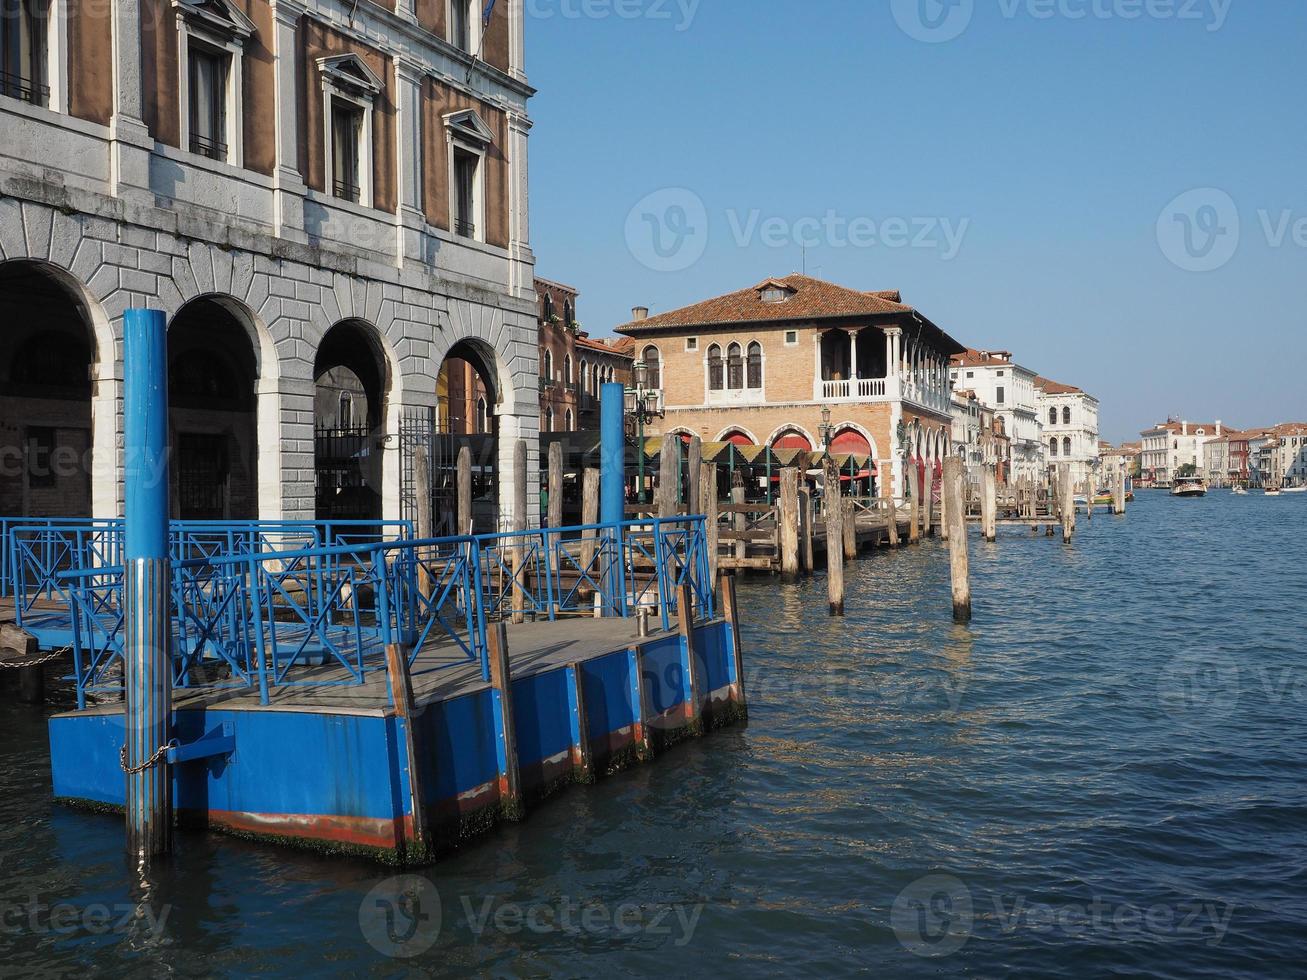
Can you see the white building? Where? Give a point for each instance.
(1170, 445)
(328, 201)
(1070, 419)
(1117, 460)
(1009, 389)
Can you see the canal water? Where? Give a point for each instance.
(1103, 773)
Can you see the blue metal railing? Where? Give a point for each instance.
(270, 605)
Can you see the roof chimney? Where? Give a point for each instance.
(639, 313)
(1218, 428)
(1184, 428)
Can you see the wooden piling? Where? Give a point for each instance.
(989, 503)
(1119, 493)
(787, 517)
(510, 778)
(555, 505)
(741, 524)
(401, 693)
(891, 508)
(669, 476)
(834, 539)
(708, 502)
(731, 613)
(589, 516)
(463, 480)
(943, 509)
(1068, 502)
(914, 488)
(959, 563)
(694, 460)
(850, 529)
(805, 520)
(1089, 499)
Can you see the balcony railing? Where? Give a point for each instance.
(860, 388)
(18, 87)
(465, 229)
(346, 191)
(213, 149)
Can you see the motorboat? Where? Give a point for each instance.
(1189, 486)
(1240, 491)
(1302, 489)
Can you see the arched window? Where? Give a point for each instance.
(1066, 415)
(1052, 446)
(1066, 446)
(568, 315)
(653, 368)
(716, 367)
(734, 368)
(755, 365)
(549, 419)
(549, 307)
(567, 369)
(1052, 416)
(585, 375)
(547, 366)
(569, 421)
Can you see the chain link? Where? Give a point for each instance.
(152, 761)
(14, 664)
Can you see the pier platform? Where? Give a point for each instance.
(347, 698)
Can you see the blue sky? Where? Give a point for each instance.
(1021, 183)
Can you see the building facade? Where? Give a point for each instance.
(1009, 389)
(329, 203)
(1172, 445)
(1070, 421)
(1118, 460)
(760, 366)
(560, 401)
(606, 361)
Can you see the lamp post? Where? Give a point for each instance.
(643, 404)
(825, 430)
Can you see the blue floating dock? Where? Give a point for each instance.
(286, 723)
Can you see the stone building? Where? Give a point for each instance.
(1070, 420)
(329, 202)
(1009, 389)
(760, 365)
(1171, 445)
(605, 361)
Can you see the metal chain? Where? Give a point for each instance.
(13, 664)
(152, 761)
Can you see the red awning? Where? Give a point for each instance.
(850, 441)
(739, 439)
(793, 440)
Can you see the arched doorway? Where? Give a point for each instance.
(467, 414)
(47, 355)
(351, 387)
(212, 403)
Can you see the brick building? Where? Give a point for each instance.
(328, 202)
(760, 365)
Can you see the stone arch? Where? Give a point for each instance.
(730, 430)
(792, 428)
(863, 431)
(100, 456)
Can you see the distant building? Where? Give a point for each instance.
(1171, 445)
(1070, 419)
(1009, 389)
(1116, 460)
(760, 365)
(606, 361)
(560, 402)
(980, 435)
(1278, 455)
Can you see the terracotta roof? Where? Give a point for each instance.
(617, 346)
(1056, 387)
(810, 299)
(982, 358)
(1177, 428)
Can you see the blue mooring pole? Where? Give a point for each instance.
(147, 680)
(612, 454)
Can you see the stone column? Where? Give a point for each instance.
(893, 342)
(517, 39)
(410, 221)
(522, 260)
(288, 182)
(853, 362)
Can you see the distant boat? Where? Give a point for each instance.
(1189, 486)
(1294, 490)
(1272, 491)
(1241, 491)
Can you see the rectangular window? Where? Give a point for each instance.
(460, 26)
(208, 109)
(23, 70)
(346, 131)
(40, 458)
(999, 395)
(465, 177)
(691, 343)
(791, 338)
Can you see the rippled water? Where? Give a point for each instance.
(1103, 773)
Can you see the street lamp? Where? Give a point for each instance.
(825, 430)
(642, 406)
